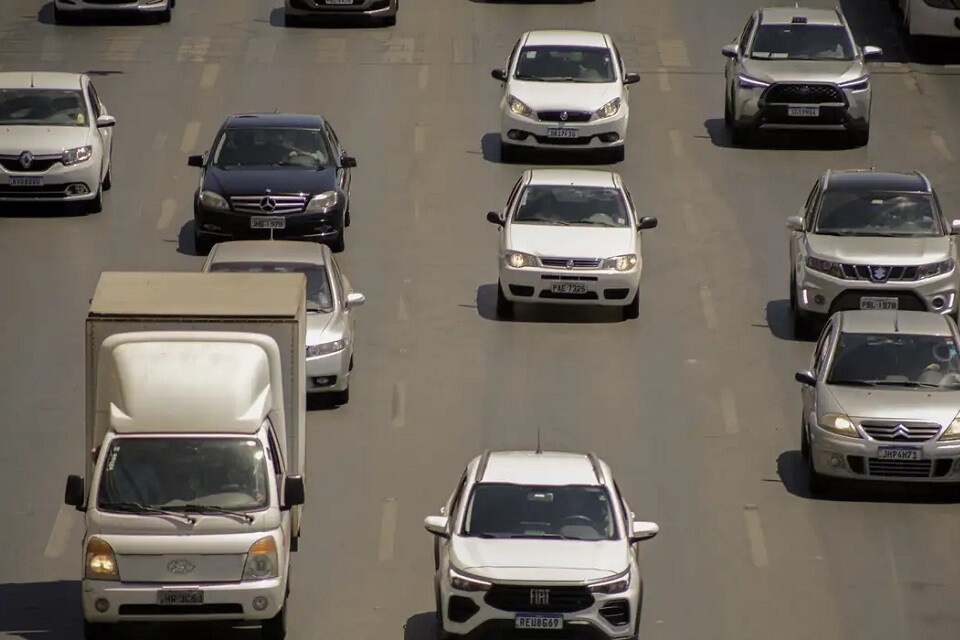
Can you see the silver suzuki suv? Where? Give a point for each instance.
(871, 240)
(798, 69)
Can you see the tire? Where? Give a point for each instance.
(505, 308)
(727, 113)
(436, 557)
(346, 218)
(508, 153)
(292, 21)
(165, 16)
(95, 205)
(97, 631)
(275, 628)
(340, 398)
(201, 244)
(108, 179)
(338, 245)
(617, 154)
(802, 324)
(62, 17)
(632, 310)
(390, 21)
(860, 137)
(804, 442)
(817, 484)
(739, 135)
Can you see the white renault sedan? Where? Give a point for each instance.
(570, 236)
(66, 11)
(564, 90)
(56, 138)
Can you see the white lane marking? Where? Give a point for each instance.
(416, 209)
(332, 49)
(894, 570)
(663, 78)
(193, 49)
(60, 533)
(673, 53)
(52, 49)
(728, 407)
(260, 51)
(419, 138)
(209, 76)
(758, 547)
(940, 145)
(399, 51)
(462, 50)
(402, 314)
(398, 407)
(676, 143)
(709, 309)
(689, 219)
(123, 48)
(190, 136)
(388, 529)
(159, 141)
(423, 77)
(167, 211)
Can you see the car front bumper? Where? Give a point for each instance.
(752, 110)
(603, 287)
(54, 183)
(317, 8)
(227, 225)
(597, 134)
(329, 372)
(137, 6)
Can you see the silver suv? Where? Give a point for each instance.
(795, 68)
(871, 240)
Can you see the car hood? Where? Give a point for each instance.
(571, 242)
(540, 560)
(575, 96)
(803, 70)
(325, 327)
(871, 250)
(234, 182)
(40, 140)
(891, 404)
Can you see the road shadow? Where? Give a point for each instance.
(780, 322)
(544, 313)
(792, 470)
(490, 144)
(98, 18)
(719, 135)
(881, 24)
(326, 22)
(185, 240)
(421, 626)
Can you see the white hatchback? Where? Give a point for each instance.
(570, 236)
(564, 89)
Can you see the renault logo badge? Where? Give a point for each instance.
(26, 159)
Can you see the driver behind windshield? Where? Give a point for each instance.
(897, 359)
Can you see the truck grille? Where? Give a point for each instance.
(804, 94)
(531, 598)
(894, 431)
(557, 116)
(571, 263)
(269, 204)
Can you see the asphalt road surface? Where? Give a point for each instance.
(694, 405)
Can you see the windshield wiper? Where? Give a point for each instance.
(136, 507)
(202, 508)
(318, 309)
(489, 536)
(562, 223)
(906, 383)
(524, 76)
(535, 536)
(854, 383)
(599, 223)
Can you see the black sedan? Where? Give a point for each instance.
(273, 175)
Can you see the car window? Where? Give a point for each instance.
(802, 42)
(511, 199)
(319, 295)
(820, 353)
(271, 147)
(94, 101)
(878, 214)
(334, 140)
(43, 107)
(896, 360)
(809, 208)
(563, 205)
(745, 36)
(619, 58)
(456, 498)
(553, 63)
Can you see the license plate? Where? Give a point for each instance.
(180, 596)
(562, 133)
(26, 181)
(899, 453)
(540, 622)
(568, 287)
(878, 304)
(803, 112)
(267, 222)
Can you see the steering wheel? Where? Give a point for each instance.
(579, 518)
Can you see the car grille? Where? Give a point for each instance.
(571, 263)
(283, 204)
(47, 191)
(557, 116)
(616, 613)
(804, 94)
(899, 468)
(894, 431)
(558, 599)
(886, 273)
(39, 165)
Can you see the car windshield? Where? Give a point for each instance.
(171, 473)
(885, 213)
(565, 64)
(319, 296)
(595, 206)
(896, 360)
(571, 512)
(45, 107)
(271, 147)
(802, 42)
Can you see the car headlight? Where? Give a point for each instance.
(935, 269)
(825, 266)
(747, 82)
(314, 350)
(76, 156)
(465, 582)
(621, 263)
(860, 84)
(262, 561)
(839, 424)
(617, 584)
(323, 202)
(518, 107)
(952, 432)
(609, 109)
(100, 562)
(518, 260)
(213, 200)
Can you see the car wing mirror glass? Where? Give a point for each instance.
(631, 78)
(647, 222)
(499, 74)
(348, 162)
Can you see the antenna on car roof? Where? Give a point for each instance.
(539, 448)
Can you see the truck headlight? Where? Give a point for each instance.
(747, 82)
(213, 200)
(314, 350)
(77, 155)
(617, 584)
(825, 266)
(100, 563)
(609, 109)
(839, 424)
(518, 107)
(518, 260)
(952, 432)
(262, 561)
(860, 84)
(323, 202)
(621, 263)
(465, 582)
(935, 269)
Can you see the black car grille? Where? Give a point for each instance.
(47, 191)
(616, 612)
(886, 273)
(273, 204)
(174, 610)
(804, 94)
(850, 300)
(894, 431)
(38, 165)
(899, 468)
(557, 116)
(530, 599)
(571, 263)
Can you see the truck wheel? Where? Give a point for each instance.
(97, 631)
(275, 628)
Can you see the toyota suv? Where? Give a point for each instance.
(871, 240)
(798, 69)
(537, 541)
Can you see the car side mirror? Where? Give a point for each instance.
(647, 222)
(355, 299)
(730, 51)
(348, 162)
(795, 223)
(293, 493)
(955, 226)
(806, 377)
(643, 531)
(494, 217)
(437, 525)
(195, 161)
(872, 52)
(73, 493)
(106, 121)
(631, 78)
(499, 74)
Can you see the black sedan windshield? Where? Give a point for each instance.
(594, 206)
(565, 64)
(319, 296)
(885, 213)
(896, 359)
(271, 147)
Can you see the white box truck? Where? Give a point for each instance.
(195, 429)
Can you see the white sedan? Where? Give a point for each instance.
(56, 139)
(564, 90)
(570, 236)
(930, 18)
(66, 11)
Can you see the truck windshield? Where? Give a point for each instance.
(176, 473)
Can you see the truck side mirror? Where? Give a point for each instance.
(73, 493)
(293, 494)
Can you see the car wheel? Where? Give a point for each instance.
(201, 244)
(505, 308)
(108, 179)
(346, 218)
(632, 310)
(340, 243)
(275, 628)
(727, 111)
(164, 16)
(340, 397)
(292, 21)
(804, 442)
(61, 17)
(96, 204)
(739, 135)
(817, 483)
(860, 137)
(802, 324)
(617, 154)
(508, 153)
(390, 21)
(97, 631)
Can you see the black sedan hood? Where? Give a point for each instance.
(238, 181)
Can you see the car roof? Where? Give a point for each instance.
(41, 80)
(785, 15)
(872, 180)
(550, 468)
(569, 37)
(573, 177)
(907, 322)
(267, 251)
(286, 120)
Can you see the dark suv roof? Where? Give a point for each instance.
(869, 180)
(286, 120)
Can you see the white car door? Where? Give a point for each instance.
(105, 133)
